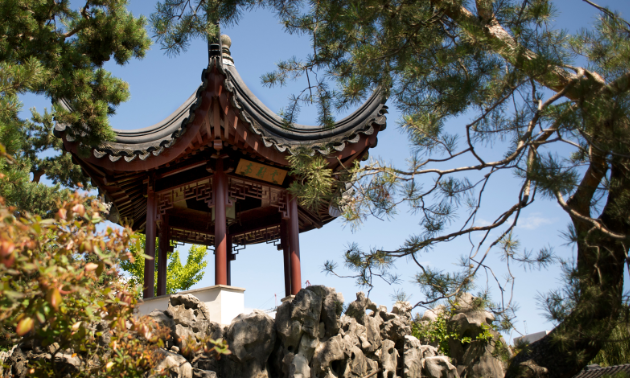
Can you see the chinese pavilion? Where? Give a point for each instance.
(215, 172)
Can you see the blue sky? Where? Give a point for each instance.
(160, 84)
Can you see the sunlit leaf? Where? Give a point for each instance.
(54, 298)
(90, 267)
(24, 326)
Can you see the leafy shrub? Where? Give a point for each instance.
(50, 294)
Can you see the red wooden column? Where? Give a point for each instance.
(163, 257)
(230, 257)
(286, 255)
(149, 247)
(219, 188)
(294, 245)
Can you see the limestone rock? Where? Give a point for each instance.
(357, 308)
(287, 361)
(301, 317)
(412, 358)
(384, 315)
(183, 335)
(189, 318)
(306, 307)
(73, 363)
(251, 338)
(469, 323)
(298, 368)
(389, 358)
(188, 312)
(479, 360)
(438, 367)
(395, 329)
(373, 333)
(428, 351)
(175, 364)
(432, 315)
(308, 339)
(357, 365)
(326, 354)
(465, 302)
(198, 373)
(189, 301)
(354, 334)
(402, 308)
(372, 365)
(307, 347)
(332, 307)
(163, 320)
(4, 356)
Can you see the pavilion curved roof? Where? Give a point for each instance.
(222, 119)
(154, 139)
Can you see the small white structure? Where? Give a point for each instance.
(224, 302)
(531, 337)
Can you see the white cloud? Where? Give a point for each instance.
(533, 221)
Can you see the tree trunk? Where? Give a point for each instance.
(600, 266)
(37, 175)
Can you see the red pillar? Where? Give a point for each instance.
(149, 249)
(163, 257)
(286, 255)
(219, 188)
(294, 245)
(230, 258)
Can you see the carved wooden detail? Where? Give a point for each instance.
(258, 236)
(201, 191)
(270, 196)
(189, 236)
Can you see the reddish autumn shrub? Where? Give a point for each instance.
(60, 290)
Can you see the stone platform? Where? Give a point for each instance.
(224, 302)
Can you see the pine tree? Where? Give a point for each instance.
(51, 49)
(503, 62)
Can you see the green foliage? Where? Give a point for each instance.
(178, 277)
(437, 332)
(176, 22)
(52, 49)
(314, 184)
(48, 293)
(616, 351)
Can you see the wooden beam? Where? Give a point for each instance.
(149, 250)
(311, 217)
(181, 169)
(294, 245)
(162, 257)
(220, 189)
(286, 256)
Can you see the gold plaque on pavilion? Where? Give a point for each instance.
(260, 171)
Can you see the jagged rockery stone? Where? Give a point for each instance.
(309, 338)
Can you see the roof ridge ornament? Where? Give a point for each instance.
(226, 43)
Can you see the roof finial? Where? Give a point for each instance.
(226, 42)
(214, 43)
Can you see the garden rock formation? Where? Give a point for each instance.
(309, 338)
(478, 358)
